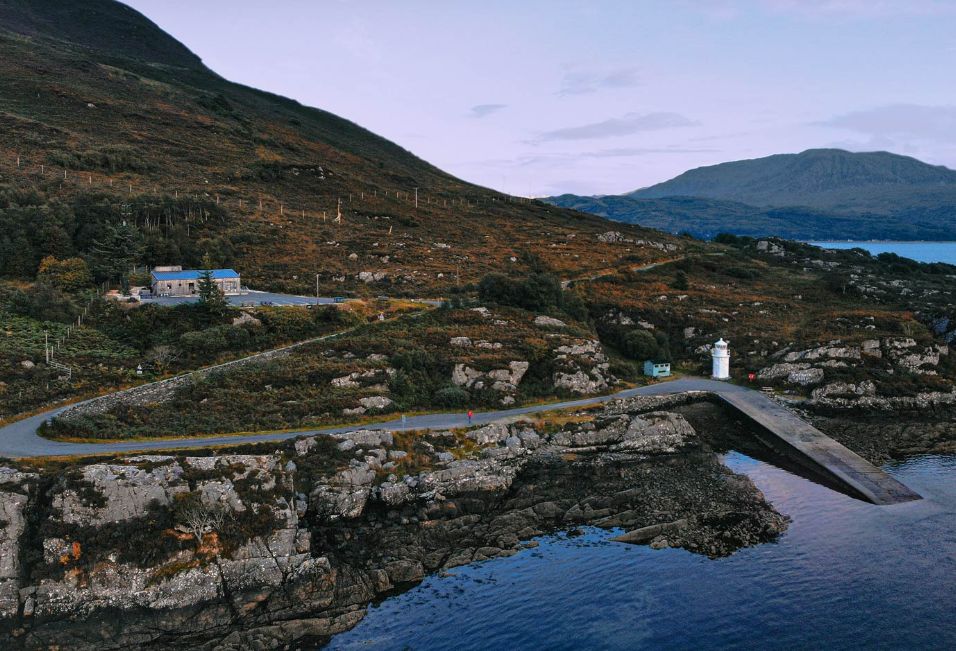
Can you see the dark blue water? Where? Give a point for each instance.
(921, 251)
(846, 575)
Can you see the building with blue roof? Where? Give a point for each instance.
(176, 281)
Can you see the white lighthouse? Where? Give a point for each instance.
(721, 361)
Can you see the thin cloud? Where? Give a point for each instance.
(564, 159)
(582, 82)
(484, 110)
(615, 127)
(862, 8)
(936, 123)
(626, 152)
(822, 9)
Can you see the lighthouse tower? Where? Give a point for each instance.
(721, 361)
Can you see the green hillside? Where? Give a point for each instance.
(117, 143)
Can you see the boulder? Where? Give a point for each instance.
(549, 322)
(245, 318)
(345, 495)
(580, 382)
(806, 377)
(778, 371)
(367, 438)
(462, 375)
(376, 402)
(492, 433)
(346, 381)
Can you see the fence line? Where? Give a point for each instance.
(419, 195)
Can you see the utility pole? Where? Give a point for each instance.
(46, 346)
(416, 197)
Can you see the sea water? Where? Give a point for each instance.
(845, 575)
(921, 251)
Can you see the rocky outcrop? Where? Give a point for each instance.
(119, 491)
(801, 374)
(333, 522)
(824, 352)
(371, 276)
(15, 491)
(616, 237)
(863, 396)
(583, 368)
(503, 381)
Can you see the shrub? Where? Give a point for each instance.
(202, 343)
(112, 159)
(452, 397)
(639, 344)
(44, 302)
(642, 345)
(680, 281)
(69, 275)
(536, 292)
(743, 273)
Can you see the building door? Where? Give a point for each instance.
(192, 288)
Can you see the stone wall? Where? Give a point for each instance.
(164, 390)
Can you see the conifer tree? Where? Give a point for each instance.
(210, 296)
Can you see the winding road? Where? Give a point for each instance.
(20, 439)
(811, 447)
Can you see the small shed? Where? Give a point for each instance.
(657, 369)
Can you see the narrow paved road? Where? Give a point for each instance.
(857, 476)
(20, 439)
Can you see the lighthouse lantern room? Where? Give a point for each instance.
(721, 361)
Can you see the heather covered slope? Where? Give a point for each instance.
(108, 28)
(115, 122)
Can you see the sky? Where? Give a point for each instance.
(543, 97)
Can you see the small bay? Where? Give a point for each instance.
(846, 575)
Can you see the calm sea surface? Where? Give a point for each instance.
(846, 575)
(922, 251)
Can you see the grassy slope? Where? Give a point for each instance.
(202, 136)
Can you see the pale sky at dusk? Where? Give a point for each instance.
(548, 96)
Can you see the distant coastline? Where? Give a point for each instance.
(920, 250)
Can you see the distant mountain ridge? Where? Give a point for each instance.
(818, 193)
(821, 178)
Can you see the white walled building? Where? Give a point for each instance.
(176, 281)
(721, 361)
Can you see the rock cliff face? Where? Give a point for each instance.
(262, 550)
